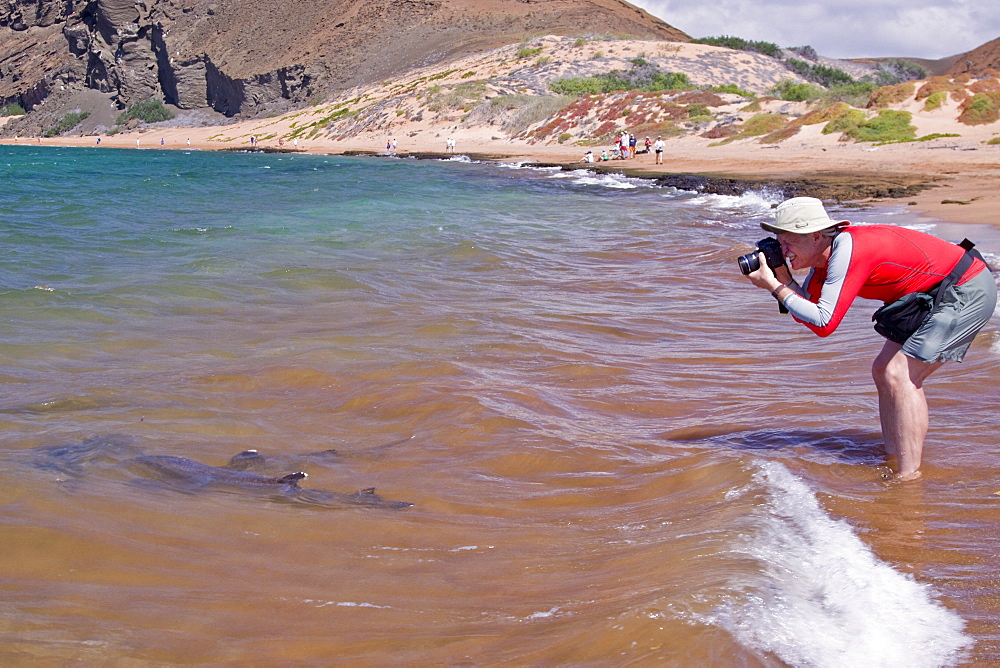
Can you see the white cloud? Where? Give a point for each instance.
(846, 29)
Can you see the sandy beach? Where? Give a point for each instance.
(961, 175)
(954, 178)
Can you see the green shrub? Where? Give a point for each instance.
(758, 125)
(821, 74)
(896, 71)
(889, 125)
(806, 52)
(855, 94)
(734, 89)
(640, 77)
(698, 110)
(983, 108)
(518, 112)
(148, 111)
(787, 89)
(12, 109)
(66, 123)
(936, 135)
(524, 53)
(935, 100)
(762, 124)
(824, 114)
(740, 44)
(848, 120)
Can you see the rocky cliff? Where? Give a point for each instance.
(248, 57)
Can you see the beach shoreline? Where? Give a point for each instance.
(955, 180)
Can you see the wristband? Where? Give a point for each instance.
(774, 293)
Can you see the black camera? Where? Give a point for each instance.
(750, 263)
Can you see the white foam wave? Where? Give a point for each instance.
(750, 202)
(827, 600)
(588, 178)
(526, 165)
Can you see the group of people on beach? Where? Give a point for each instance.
(626, 147)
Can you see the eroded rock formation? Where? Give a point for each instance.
(248, 57)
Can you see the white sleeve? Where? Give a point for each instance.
(820, 313)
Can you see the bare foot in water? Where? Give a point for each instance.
(886, 473)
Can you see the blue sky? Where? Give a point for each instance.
(842, 29)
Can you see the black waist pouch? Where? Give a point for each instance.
(900, 319)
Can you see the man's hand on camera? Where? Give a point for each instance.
(764, 277)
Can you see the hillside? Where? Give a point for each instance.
(248, 57)
(978, 62)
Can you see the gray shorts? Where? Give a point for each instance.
(962, 312)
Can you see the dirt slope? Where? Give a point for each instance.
(979, 61)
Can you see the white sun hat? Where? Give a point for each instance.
(801, 215)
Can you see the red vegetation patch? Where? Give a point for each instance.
(985, 86)
(700, 97)
(720, 132)
(674, 112)
(605, 129)
(889, 95)
(936, 84)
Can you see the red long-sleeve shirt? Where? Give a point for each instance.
(881, 262)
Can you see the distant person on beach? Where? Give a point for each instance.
(604, 155)
(886, 263)
(631, 145)
(589, 157)
(450, 145)
(658, 149)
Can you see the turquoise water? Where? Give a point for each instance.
(616, 450)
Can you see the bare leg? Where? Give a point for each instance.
(902, 406)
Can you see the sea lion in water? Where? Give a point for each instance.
(121, 453)
(195, 475)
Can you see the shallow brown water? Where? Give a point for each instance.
(616, 451)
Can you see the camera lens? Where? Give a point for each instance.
(749, 263)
